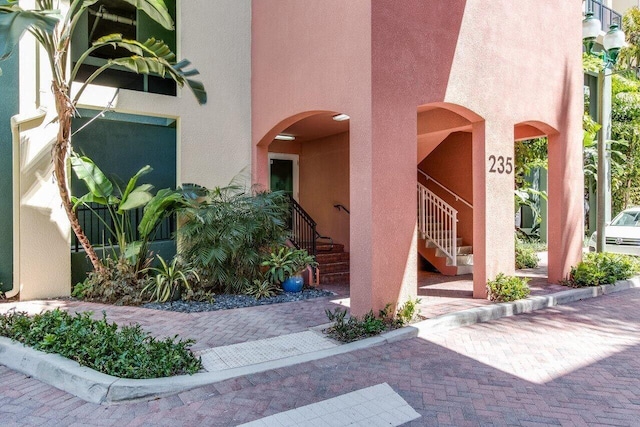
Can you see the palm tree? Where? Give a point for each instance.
(54, 32)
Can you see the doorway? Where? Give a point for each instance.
(283, 173)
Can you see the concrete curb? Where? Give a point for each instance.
(96, 387)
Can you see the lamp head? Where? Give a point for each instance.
(590, 31)
(613, 41)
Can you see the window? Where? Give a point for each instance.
(116, 16)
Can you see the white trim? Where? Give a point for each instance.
(296, 171)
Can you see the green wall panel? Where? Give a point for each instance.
(120, 149)
(8, 107)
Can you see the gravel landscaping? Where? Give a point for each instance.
(229, 301)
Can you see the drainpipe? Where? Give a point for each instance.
(19, 123)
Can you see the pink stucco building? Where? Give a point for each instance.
(440, 87)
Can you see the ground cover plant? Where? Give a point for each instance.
(352, 328)
(600, 268)
(507, 288)
(126, 352)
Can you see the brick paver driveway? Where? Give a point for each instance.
(570, 365)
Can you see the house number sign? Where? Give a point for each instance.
(500, 164)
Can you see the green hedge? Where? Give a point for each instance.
(126, 352)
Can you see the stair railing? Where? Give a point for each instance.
(438, 222)
(455, 196)
(303, 228)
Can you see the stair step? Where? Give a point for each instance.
(462, 260)
(332, 257)
(460, 250)
(464, 269)
(328, 248)
(331, 278)
(431, 244)
(334, 267)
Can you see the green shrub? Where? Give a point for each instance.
(526, 256)
(126, 352)
(408, 312)
(599, 268)
(507, 288)
(286, 262)
(119, 284)
(170, 280)
(262, 289)
(229, 233)
(353, 328)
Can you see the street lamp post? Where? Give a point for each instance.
(612, 42)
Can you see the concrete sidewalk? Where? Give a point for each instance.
(259, 339)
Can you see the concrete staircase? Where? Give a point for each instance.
(333, 263)
(464, 259)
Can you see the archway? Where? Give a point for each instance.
(445, 177)
(307, 155)
(564, 216)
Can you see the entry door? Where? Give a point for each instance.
(283, 173)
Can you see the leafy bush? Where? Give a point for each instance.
(121, 203)
(599, 268)
(286, 262)
(507, 288)
(170, 280)
(408, 312)
(126, 352)
(119, 284)
(526, 256)
(227, 235)
(262, 289)
(353, 328)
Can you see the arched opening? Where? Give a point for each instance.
(307, 156)
(445, 171)
(532, 193)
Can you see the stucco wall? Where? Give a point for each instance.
(451, 165)
(382, 60)
(213, 140)
(324, 182)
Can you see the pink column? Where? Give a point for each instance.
(383, 214)
(493, 214)
(565, 206)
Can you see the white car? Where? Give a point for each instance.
(622, 234)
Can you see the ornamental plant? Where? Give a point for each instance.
(507, 288)
(126, 352)
(599, 268)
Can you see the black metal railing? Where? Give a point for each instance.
(340, 206)
(606, 15)
(96, 222)
(303, 229)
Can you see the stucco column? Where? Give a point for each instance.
(41, 234)
(566, 205)
(383, 209)
(493, 215)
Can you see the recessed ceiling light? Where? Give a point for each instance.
(281, 137)
(341, 117)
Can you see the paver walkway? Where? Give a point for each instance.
(574, 365)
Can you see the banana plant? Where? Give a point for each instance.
(53, 30)
(120, 203)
